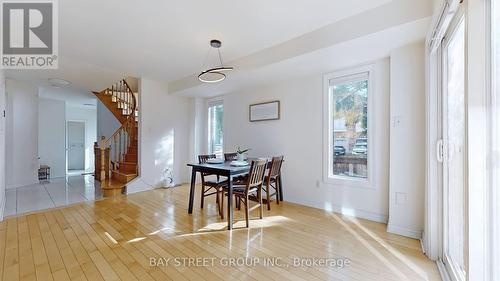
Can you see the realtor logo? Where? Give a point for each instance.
(29, 34)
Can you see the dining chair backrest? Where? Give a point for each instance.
(256, 173)
(230, 156)
(275, 168)
(203, 158)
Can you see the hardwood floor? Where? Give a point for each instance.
(118, 239)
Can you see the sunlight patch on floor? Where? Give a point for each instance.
(110, 238)
(391, 249)
(254, 223)
(374, 251)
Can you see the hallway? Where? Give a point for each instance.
(56, 193)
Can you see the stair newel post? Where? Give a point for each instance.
(107, 162)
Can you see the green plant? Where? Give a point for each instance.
(240, 151)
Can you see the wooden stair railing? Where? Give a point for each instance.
(117, 155)
(120, 142)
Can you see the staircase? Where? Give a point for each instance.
(116, 157)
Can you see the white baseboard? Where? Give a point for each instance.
(360, 214)
(135, 189)
(403, 231)
(442, 271)
(2, 206)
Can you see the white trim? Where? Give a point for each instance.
(442, 271)
(431, 234)
(2, 205)
(493, 229)
(347, 211)
(404, 231)
(345, 75)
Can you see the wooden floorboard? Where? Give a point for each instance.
(115, 238)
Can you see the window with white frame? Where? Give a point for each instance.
(215, 127)
(495, 133)
(347, 136)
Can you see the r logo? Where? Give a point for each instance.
(27, 28)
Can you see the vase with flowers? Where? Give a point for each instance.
(242, 153)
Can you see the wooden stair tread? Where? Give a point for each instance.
(124, 177)
(125, 174)
(112, 184)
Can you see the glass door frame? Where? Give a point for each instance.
(453, 272)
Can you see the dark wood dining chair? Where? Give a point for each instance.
(210, 187)
(253, 185)
(230, 156)
(271, 181)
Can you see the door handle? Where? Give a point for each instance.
(439, 151)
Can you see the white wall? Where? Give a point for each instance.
(89, 116)
(299, 136)
(107, 123)
(407, 141)
(165, 135)
(2, 143)
(52, 135)
(22, 133)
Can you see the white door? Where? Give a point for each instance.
(454, 147)
(76, 145)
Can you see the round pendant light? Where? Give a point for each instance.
(215, 74)
(209, 76)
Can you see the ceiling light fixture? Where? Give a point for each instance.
(215, 74)
(58, 82)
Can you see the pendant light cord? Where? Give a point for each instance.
(220, 57)
(206, 58)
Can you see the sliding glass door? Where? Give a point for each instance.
(454, 148)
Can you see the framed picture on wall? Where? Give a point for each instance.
(264, 111)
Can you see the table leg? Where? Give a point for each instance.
(280, 188)
(191, 192)
(229, 202)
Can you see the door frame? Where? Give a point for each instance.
(458, 18)
(478, 48)
(84, 141)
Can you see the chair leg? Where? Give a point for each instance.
(261, 208)
(268, 192)
(202, 196)
(247, 210)
(222, 205)
(238, 203)
(277, 184)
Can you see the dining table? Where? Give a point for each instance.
(224, 169)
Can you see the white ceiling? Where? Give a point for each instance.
(72, 97)
(103, 41)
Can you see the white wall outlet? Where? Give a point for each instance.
(401, 198)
